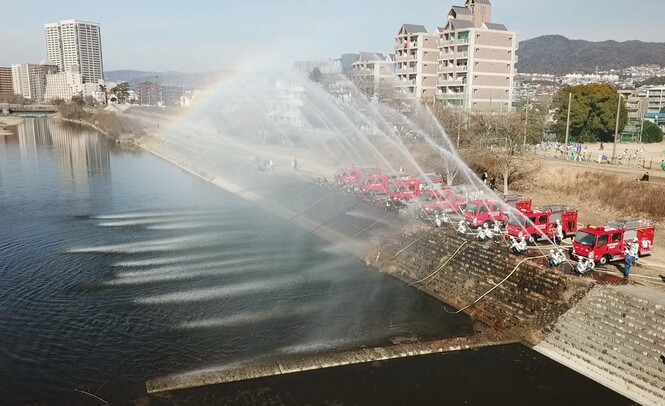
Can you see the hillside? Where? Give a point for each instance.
(188, 80)
(559, 55)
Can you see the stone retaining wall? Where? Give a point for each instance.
(533, 298)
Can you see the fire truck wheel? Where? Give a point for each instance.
(603, 260)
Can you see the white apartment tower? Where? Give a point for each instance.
(476, 60)
(76, 45)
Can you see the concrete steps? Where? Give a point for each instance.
(616, 339)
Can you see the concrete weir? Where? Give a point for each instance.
(314, 362)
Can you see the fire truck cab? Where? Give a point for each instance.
(608, 243)
(541, 223)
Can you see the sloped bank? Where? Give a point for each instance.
(612, 334)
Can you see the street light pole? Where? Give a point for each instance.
(616, 132)
(565, 145)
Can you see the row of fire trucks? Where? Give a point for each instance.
(429, 196)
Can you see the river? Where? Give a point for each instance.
(117, 267)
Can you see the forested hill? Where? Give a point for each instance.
(557, 54)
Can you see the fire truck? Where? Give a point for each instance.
(608, 243)
(408, 189)
(479, 212)
(354, 175)
(379, 184)
(441, 201)
(403, 191)
(541, 223)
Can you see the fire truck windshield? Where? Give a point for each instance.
(585, 239)
(517, 221)
(472, 208)
(427, 198)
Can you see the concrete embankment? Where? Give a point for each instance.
(612, 334)
(616, 336)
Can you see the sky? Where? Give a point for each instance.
(208, 35)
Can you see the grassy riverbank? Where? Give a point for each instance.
(120, 128)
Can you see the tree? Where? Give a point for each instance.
(593, 112)
(316, 75)
(498, 138)
(121, 92)
(651, 133)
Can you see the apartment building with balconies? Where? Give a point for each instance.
(76, 45)
(655, 98)
(29, 80)
(476, 60)
(374, 72)
(416, 53)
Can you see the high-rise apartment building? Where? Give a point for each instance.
(415, 61)
(75, 45)
(6, 85)
(29, 80)
(476, 60)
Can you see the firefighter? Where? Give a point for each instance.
(632, 252)
(556, 257)
(518, 246)
(445, 218)
(558, 234)
(438, 220)
(581, 266)
(482, 233)
(496, 231)
(461, 227)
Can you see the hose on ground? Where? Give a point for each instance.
(496, 286)
(439, 269)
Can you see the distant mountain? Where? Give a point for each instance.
(188, 80)
(559, 55)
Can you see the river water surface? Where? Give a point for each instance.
(117, 267)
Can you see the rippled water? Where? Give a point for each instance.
(116, 267)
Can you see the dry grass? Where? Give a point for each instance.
(619, 193)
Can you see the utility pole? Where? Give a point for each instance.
(565, 145)
(616, 132)
(526, 122)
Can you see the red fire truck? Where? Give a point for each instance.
(379, 184)
(608, 243)
(409, 189)
(441, 201)
(479, 212)
(541, 223)
(354, 175)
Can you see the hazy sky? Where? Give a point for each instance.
(200, 35)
